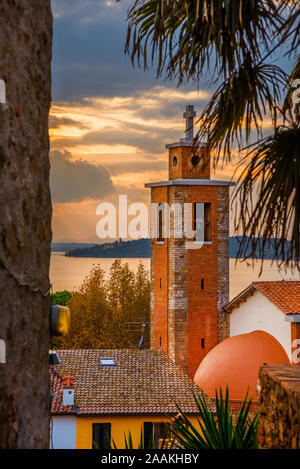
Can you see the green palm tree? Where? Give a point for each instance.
(233, 41)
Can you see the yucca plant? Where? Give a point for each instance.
(216, 428)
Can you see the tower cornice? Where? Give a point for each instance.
(190, 182)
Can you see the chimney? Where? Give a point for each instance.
(68, 390)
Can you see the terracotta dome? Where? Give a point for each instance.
(236, 361)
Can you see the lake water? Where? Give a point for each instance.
(67, 273)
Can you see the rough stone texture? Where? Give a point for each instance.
(177, 285)
(223, 262)
(25, 222)
(279, 407)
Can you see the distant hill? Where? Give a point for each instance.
(63, 247)
(138, 248)
(118, 249)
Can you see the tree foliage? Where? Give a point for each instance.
(233, 42)
(103, 309)
(61, 297)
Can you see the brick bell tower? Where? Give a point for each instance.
(189, 271)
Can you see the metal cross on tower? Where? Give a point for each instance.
(189, 115)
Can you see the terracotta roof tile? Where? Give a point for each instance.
(142, 382)
(57, 385)
(283, 293)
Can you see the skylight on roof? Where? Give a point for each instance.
(104, 361)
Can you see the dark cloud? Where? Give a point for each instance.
(74, 181)
(151, 141)
(57, 122)
(141, 166)
(88, 52)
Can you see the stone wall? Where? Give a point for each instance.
(223, 262)
(279, 407)
(25, 222)
(178, 286)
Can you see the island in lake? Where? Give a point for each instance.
(139, 248)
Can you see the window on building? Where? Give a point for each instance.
(207, 222)
(101, 435)
(202, 343)
(202, 284)
(155, 433)
(160, 234)
(202, 221)
(161, 434)
(107, 361)
(148, 434)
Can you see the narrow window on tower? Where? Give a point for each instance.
(207, 222)
(160, 283)
(202, 221)
(202, 284)
(160, 341)
(160, 234)
(202, 343)
(198, 221)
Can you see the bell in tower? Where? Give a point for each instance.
(189, 279)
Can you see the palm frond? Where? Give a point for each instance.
(239, 106)
(291, 108)
(268, 193)
(184, 36)
(290, 27)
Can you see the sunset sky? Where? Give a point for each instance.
(109, 122)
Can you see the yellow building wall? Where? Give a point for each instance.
(119, 426)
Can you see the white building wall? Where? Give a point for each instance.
(63, 432)
(259, 313)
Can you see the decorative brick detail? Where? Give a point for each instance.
(279, 407)
(184, 168)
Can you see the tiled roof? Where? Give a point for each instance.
(56, 385)
(142, 382)
(284, 294)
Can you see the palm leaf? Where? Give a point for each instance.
(273, 172)
(184, 36)
(239, 106)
